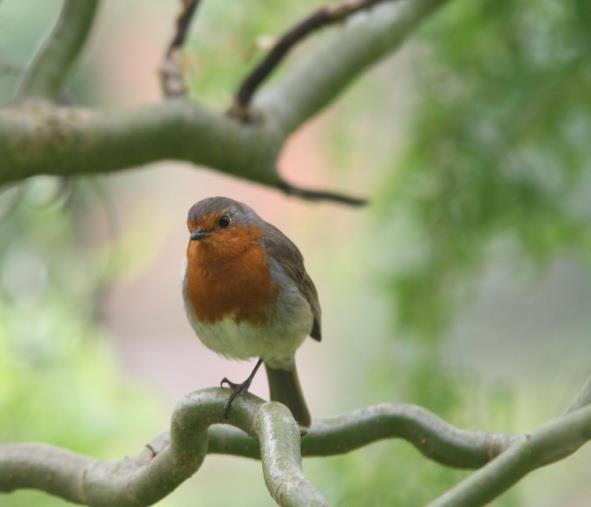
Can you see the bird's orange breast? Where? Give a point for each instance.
(229, 275)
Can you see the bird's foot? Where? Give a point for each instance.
(235, 390)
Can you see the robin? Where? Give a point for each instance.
(247, 295)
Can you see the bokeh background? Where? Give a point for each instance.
(464, 287)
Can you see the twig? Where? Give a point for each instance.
(50, 67)
(321, 18)
(171, 72)
(582, 398)
(319, 195)
(552, 442)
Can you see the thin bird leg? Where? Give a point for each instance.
(237, 389)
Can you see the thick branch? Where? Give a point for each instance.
(550, 443)
(171, 458)
(39, 138)
(51, 66)
(167, 462)
(317, 79)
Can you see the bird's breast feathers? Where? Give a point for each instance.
(247, 307)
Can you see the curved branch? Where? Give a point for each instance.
(51, 66)
(279, 438)
(552, 442)
(173, 457)
(432, 436)
(167, 461)
(40, 138)
(325, 72)
(319, 195)
(314, 22)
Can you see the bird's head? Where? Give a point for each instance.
(221, 227)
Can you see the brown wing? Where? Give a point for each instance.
(282, 249)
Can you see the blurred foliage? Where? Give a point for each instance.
(238, 34)
(58, 378)
(496, 163)
(498, 159)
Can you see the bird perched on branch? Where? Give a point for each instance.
(247, 295)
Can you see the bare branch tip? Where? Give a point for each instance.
(320, 195)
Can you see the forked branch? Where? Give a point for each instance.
(323, 17)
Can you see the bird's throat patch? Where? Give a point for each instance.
(230, 276)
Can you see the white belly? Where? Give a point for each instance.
(275, 342)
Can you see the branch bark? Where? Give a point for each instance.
(268, 432)
(433, 437)
(51, 66)
(319, 78)
(168, 460)
(319, 19)
(552, 442)
(261, 430)
(41, 138)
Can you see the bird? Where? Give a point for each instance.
(247, 295)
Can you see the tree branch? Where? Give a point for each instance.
(45, 139)
(582, 399)
(552, 442)
(40, 138)
(433, 437)
(167, 461)
(321, 18)
(49, 69)
(171, 73)
(319, 195)
(316, 80)
(173, 457)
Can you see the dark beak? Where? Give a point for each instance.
(197, 235)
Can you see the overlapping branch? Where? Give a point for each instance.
(267, 431)
(167, 461)
(321, 18)
(550, 443)
(44, 138)
(261, 430)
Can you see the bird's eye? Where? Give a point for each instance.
(224, 221)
